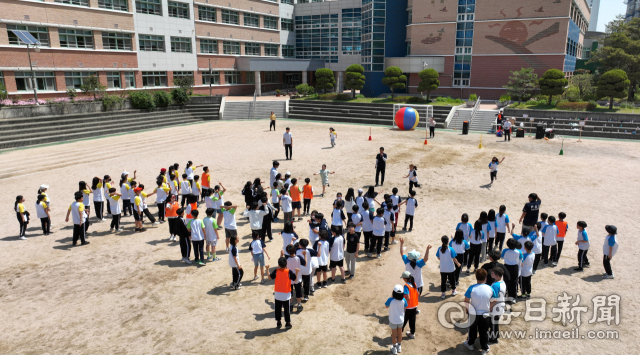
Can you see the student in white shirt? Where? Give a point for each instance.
(526, 270)
(486, 229)
(413, 177)
(412, 204)
(537, 246)
(211, 229)
(502, 226)
(230, 228)
(493, 167)
(448, 264)
(258, 249)
(367, 226)
(466, 228)
(477, 237)
(86, 191)
(337, 256)
(497, 303)
(396, 305)
(332, 136)
(609, 249)
(512, 260)
(479, 297)
(583, 246)
(395, 199)
(289, 237)
(42, 212)
(307, 269)
(460, 246)
(98, 197)
(114, 205)
(287, 142)
(413, 265)
(338, 218)
(161, 191)
(185, 189)
(379, 224)
(286, 203)
(491, 236)
(549, 232)
(76, 210)
(196, 188)
(198, 234)
(295, 262)
(322, 248)
(255, 217)
(389, 228)
(506, 128)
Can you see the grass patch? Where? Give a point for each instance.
(373, 100)
(604, 109)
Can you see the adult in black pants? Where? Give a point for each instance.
(272, 122)
(530, 214)
(506, 128)
(479, 295)
(287, 141)
(185, 236)
(381, 165)
(432, 127)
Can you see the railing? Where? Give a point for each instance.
(476, 107)
(451, 116)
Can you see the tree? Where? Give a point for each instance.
(304, 89)
(355, 78)
(3, 92)
(429, 81)
(522, 84)
(584, 84)
(621, 50)
(394, 79)
(325, 79)
(613, 83)
(91, 86)
(184, 82)
(179, 96)
(552, 83)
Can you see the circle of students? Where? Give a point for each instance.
(329, 247)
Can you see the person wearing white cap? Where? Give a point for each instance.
(396, 305)
(413, 264)
(43, 191)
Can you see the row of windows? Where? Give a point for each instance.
(207, 13)
(574, 48)
(72, 38)
(46, 81)
(464, 42)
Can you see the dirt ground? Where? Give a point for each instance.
(129, 293)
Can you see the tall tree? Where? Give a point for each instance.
(325, 79)
(429, 81)
(552, 83)
(613, 83)
(621, 50)
(394, 79)
(584, 84)
(355, 78)
(522, 84)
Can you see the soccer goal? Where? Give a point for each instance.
(424, 112)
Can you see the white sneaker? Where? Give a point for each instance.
(443, 295)
(120, 230)
(155, 223)
(187, 261)
(468, 271)
(395, 242)
(608, 277)
(411, 336)
(484, 352)
(399, 348)
(104, 220)
(470, 347)
(454, 292)
(23, 238)
(394, 351)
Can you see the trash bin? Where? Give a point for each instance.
(520, 133)
(539, 131)
(549, 133)
(465, 127)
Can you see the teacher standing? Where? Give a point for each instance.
(287, 141)
(272, 121)
(381, 165)
(530, 214)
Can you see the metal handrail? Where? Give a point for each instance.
(476, 107)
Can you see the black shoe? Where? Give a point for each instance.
(279, 325)
(404, 229)
(377, 185)
(75, 243)
(493, 341)
(410, 229)
(578, 269)
(288, 326)
(85, 243)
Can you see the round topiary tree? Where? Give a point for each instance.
(325, 79)
(613, 83)
(552, 83)
(394, 79)
(429, 81)
(355, 78)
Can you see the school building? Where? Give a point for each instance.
(244, 46)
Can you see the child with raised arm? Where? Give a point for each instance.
(413, 264)
(230, 228)
(493, 168)
(324, 176)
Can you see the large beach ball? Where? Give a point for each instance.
(407, 118)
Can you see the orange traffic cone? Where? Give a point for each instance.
(425, 141)
(369, 133)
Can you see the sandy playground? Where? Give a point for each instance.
(130, 294)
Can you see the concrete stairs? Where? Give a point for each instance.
(234, 110)
(27, 131)
(463, 115)
(571, 127)
(360, 113)
(483, 121)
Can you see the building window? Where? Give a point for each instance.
(251, 20)
(272, 77)
(2, 80)
(117, 41)
(271, 50)
(408, 47)
(183, 74)
(206, 13)
(154, 78)
(74, 2)
(289, 51)
(150, 43)
(119, 5)
(286, 24)
(178, 9)
(213, 78)
(113, 80)
(270, 22)
(232, 77)
(45, 81)
(75, 38)
(250, 77)
(209, 46)
(410, 16)
(251, 49)
(129, 80)
(75, 79)
(40, 33)
(181, 44)
(151, 7)
(230, 17)
(290, 2)
(230, 47)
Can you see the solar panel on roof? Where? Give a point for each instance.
(25, 37)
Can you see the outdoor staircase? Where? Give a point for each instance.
(27, 131)
(483, 120)
(234, 110)
(463, 115)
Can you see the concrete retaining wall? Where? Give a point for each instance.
(599, 116)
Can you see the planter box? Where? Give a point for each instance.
(471, 103)
(501, 104)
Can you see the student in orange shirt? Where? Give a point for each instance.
(294, 192)
(563, 227)
(307, 194)
(171, 212)
(205, 182)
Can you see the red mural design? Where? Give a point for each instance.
(518, 12)
(444, 9)
(513, 36)
(534, 23)
(495, 25)
(540, 9)
(503, 14)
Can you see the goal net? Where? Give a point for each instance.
(424, 111)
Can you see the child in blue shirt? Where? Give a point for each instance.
(583, 246)
(396, 305)
(609, 249)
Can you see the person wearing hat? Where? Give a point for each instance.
(76, 210)
(413, 264)
(411, 310)
(396, 305)
(43, 191)
(609, 249)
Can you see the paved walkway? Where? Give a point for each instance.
(260, 98)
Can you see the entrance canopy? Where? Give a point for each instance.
(278, 64)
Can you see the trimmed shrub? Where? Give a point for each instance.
(592, 106)
(473, 97)
(360, 96)
(327, 96)
(400, 99)
(304, 89)
(505, 98)
(161, 98)
(142, 100)
(343, 97)
(573, 106)
(110, 102)
(415, 100)
(179, 96)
